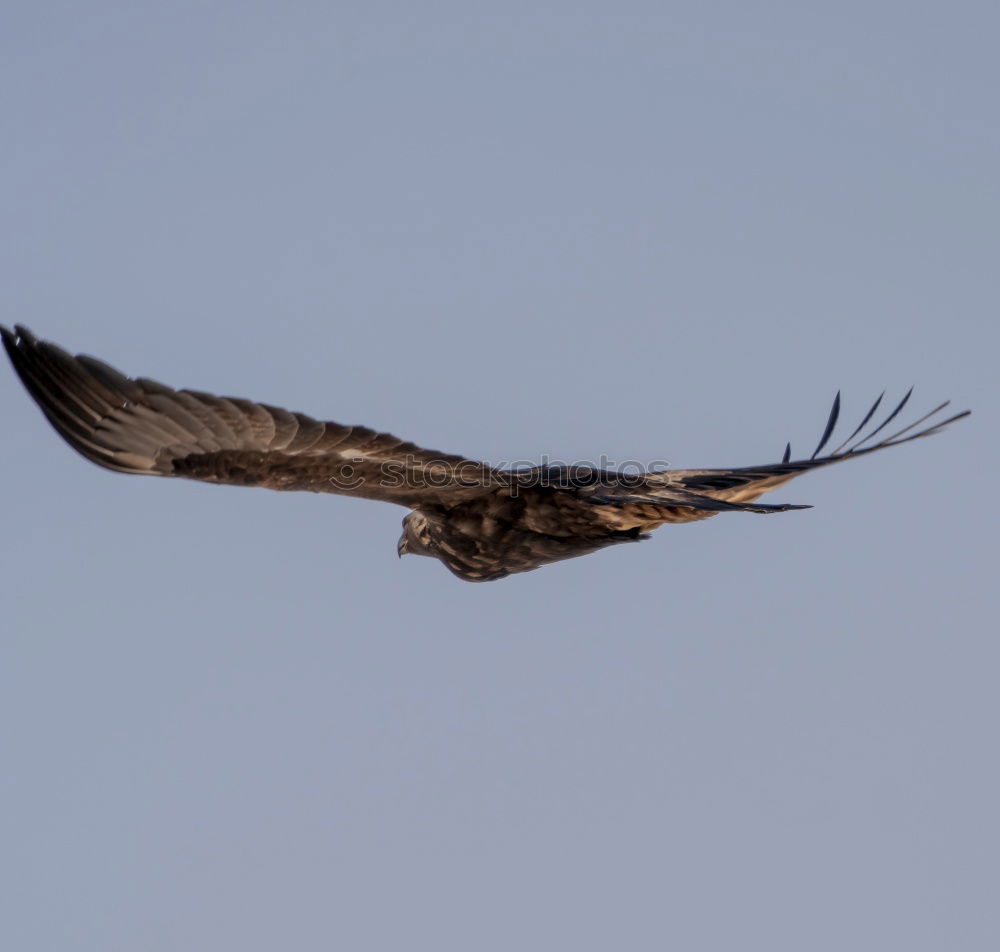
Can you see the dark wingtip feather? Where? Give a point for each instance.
(861, 425)
(788, 453)
(24, 334)
(9, 343)
(902, 403)
(17, 341)
(830, 424)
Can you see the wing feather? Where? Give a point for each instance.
(746, 484)
(142, 426)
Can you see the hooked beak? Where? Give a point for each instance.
(401, 547)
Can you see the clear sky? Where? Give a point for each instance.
(232, 719)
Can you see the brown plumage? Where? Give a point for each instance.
(483, 523)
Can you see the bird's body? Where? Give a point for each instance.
(482, 522)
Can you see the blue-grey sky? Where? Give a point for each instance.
(232, 719)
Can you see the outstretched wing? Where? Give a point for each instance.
(141, 426)
(742, 486)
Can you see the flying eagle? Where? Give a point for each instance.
(482, 522)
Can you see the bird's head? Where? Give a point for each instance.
(416, 537)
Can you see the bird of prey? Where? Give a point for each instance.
(483, 522)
